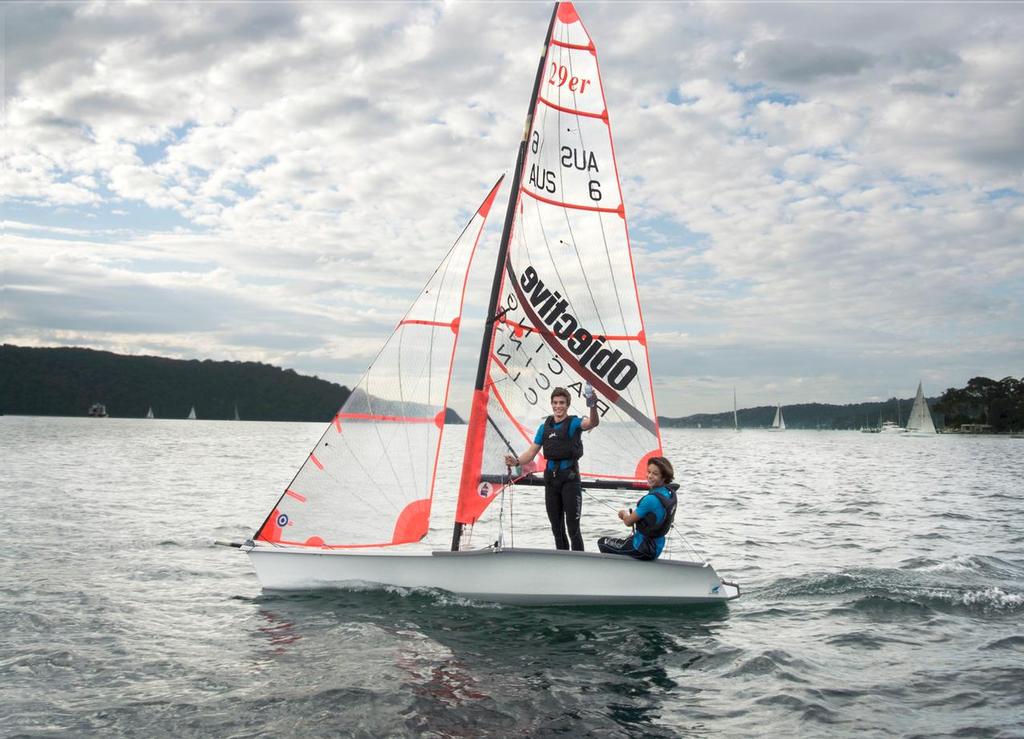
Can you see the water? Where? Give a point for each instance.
(883, 585)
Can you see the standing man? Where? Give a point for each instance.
(561, 438)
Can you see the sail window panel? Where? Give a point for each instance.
(409, 376)
(571, 80)
(569, 161)
(585, 257)
(530, 368)
(361, 480)
(569, 28)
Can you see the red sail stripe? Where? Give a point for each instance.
(417, 321)
(620, 211)
(603, 116)
(317, 462)
(522, 328)
(297, 496)
(395, 419)
(501, 365)
(567, 45)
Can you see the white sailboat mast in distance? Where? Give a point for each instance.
(735, 418)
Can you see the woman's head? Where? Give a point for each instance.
(659, 471)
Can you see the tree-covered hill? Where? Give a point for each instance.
(66, 381)
(806, 416)
(999, 403)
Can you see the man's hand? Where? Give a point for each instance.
(511, 460)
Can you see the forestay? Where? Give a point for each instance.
(568, 311)
(369, 481)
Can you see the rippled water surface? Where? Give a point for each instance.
(883, 585)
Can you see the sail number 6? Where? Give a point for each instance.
(560, 77)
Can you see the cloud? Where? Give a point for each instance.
(828, 192)
(799, 60)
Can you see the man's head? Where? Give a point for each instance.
(560, 402)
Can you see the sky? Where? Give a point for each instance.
(826, 201)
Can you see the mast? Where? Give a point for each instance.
(499, 265)
(735, 419)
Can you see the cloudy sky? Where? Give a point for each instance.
(826, 201)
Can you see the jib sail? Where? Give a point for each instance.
(369, 481)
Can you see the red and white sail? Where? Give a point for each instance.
(369, 481)
(568, 311)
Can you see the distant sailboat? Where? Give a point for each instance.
(779, 424)
(192, 414)
(735, 418)
(920, 421)
(149, 413)
(236, 418)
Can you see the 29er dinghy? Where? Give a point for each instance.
(563, 310)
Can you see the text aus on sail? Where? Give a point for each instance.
(544, 180)
(588, 348)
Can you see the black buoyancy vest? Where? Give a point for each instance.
(648, 525)
(557, 443)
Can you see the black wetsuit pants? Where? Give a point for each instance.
(563, 499)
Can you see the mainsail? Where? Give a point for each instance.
(779, 423)
(369, 481)
(920, 419)
(565, 309)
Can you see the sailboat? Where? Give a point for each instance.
(149, 413)
(563, 310)
(236, 418)
(192, 413)
(735, 417)
(920, 423)
(779, 423)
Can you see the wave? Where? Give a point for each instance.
(899, 592)
(1015, 643)
(966, 564)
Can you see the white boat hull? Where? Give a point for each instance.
(516, 576)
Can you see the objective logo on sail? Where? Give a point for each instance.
(550, 306)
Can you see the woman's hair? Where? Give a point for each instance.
(563, 392)
(665, 467)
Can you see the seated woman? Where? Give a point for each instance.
(652, 518)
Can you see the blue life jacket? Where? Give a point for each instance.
(648, 525)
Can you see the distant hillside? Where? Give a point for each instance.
(808, 416)
(66, 381)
